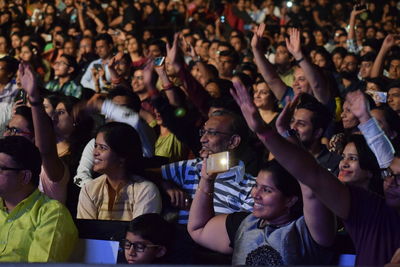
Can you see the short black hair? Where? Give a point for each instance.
(370, 56)
(153, 228)
(26, 113)
(322, 117)
(134, 100)
(24, 153)
(105, 37)
(11, 64)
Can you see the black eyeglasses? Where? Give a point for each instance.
(211, 132)
(388, 173)
(4, 168)
(138, 247)
(15, 131)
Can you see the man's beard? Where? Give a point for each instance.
(349, 75)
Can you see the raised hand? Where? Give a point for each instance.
(359, 105)
(293, 43)
(148, 74)
(283, 121)
(390, 41)
(256, 40)
(115, 59)
(173, 52)
(28, 81)
(356, 12)
(249, 110)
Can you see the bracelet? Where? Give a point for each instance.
(207, 193)
(299, 60)
(37, 103)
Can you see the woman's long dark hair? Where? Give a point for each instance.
(286, 184)
(124, 141)
(368, 162)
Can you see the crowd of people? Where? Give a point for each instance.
(251, 132)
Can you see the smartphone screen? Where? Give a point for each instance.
(219, 162)
(158, 61)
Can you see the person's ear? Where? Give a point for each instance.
(234, 142)
(292, 201)
(27, 177)
(318, 133)
(161, 251)
(71, 70)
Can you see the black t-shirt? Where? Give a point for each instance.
(232, 224)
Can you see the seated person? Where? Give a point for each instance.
(120, 193)
(147, 239)
(33, 227)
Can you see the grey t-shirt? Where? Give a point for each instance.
(270, 245)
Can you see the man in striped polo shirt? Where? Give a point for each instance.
(224, 131)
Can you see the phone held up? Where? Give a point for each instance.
(158, 61)
(219, 162)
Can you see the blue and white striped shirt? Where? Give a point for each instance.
(232, 188)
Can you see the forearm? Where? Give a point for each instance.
(377, 67)
(352, 22)
(202, 208)
(378, 142)
(83, 173)
(298, 161)
(316, 81)
(269, 74)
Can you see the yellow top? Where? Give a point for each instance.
(38, 229)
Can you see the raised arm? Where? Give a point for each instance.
(204, 227)
(266, 69)
(45, 138)
(376, 139)
(377, 68)
(319, 219)
(317, 82)
(351, 40)
(300, 163)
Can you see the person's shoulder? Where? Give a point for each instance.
(94, 184)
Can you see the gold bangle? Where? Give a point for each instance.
(203, 191)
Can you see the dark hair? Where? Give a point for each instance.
(286, 184)
(133, 99)
(232, 54)
(327, 56)
(160, 44)
(11, 64)
(238, 126)
(368, 162)
(24, 153)
(124, 141)
(104, 37)
(152, 227)
(339, 50)
(72, 63)
(26, 113)
(395, 84)
(321, 117)
(370, 56)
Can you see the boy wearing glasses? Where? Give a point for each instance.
(147, 239)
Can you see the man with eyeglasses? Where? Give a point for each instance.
(224, 131)
(391, 184)
(33, 227)
(64, 69)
